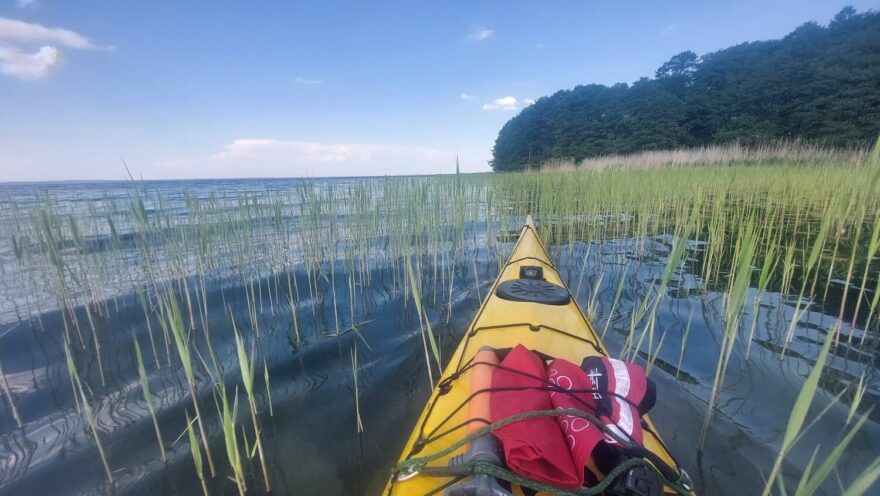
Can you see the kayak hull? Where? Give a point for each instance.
(560, 331)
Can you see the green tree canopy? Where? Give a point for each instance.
(818, 84)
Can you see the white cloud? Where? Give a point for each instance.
(480, 33)
(30, 51)
(288, 158)
(302, 80)
(506, 104)
(528, 101)
(465, 96)
(668, 30)
(25, 65)
(21, 32)
(84, 160)
(288, 150)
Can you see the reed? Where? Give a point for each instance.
(174, 320)
(357, 394)
(799, 413)
(424, 324)
(736, 298)
(196, 453)
(148, 396)
(228, 417)
(87, 411)
(7, 393)
(246, 367)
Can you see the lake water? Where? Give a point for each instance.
(311, 441)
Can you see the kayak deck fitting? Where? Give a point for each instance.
(530, 305)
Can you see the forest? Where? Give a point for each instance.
(818, 85)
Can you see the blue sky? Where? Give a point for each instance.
(189, 89)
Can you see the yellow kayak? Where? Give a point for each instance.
(552, 328)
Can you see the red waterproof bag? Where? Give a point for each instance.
(580, 434)
(554, 450)
(534, 448)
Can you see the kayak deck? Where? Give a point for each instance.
(560, 331)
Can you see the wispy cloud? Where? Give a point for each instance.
(528, 101)
(465, 96)
(293, 150)
(253, 157)
(480, 33)
(306, 81)
(505, 104)
(27, 3)
(30, 51)
(15, 31)
(669, 29)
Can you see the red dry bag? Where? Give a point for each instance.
(534, 448)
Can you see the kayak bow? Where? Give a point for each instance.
(530, 305)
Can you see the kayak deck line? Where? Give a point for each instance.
(549, 329)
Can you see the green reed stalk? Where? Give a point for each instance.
(9, 398)
(268, 388)
(417, 299)
(87, 411)
(196, 453)
(246, 366)
(684, 339)
(145, 306)
(228, 417)
(767, 268)
(594, 296)
(148, 397)
(617, 295)
(476, 275)
(811, 481)
(799, 411)
(741, 278)
(865, 480)
(873, 248)
(174, 321)
(357, 395)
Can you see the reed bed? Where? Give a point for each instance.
(797, 222)
(783, 152)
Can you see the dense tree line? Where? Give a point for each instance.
(818, 84)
